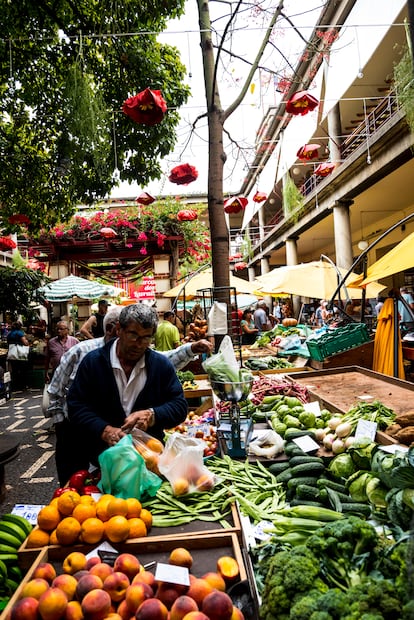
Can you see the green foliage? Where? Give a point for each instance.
(61, 126)
(404, 86)
(18, 287)
(292, 198)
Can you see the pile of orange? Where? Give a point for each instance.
(73, 518)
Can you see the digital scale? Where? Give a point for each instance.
(233, 429)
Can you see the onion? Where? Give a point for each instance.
(349, 441)
(338, 446)
(328, 440)
(344, 429)
(319, 434)
(334, 422)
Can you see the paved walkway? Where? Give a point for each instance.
(31, 477)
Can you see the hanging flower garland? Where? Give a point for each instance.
(324, 169)
(240, 266)
(183, 174)
(308, 152)
(7, 244)
(259, 197)
(187, 215)
(19, 219)
(235, 204)
(147, 107)
(301, 103)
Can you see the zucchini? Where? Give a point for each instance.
(308, 469)
(309, 480)
(277, 468)
(293, 433)
(304, 491)
(358, 509)
(299, 460)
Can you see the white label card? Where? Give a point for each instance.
(306, 443)
(313, 407)
(172, 574)
(393, 448)
(366, 429)
(28, 511)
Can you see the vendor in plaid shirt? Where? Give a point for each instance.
(66, 439)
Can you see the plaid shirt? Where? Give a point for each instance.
(66, 372)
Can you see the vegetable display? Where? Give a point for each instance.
(267, 363)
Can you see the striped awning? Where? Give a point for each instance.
(73, 286)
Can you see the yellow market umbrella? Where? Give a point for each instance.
(385, 347)
(316, 279)
(204, 280)
(400, 258)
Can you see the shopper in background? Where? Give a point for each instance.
(56, 347)
(167, 336)
(378, 305)
(405, 315)
(19, 368)
(260, 317)
(93, 327)
(248, 329)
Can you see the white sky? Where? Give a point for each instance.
(191, 147)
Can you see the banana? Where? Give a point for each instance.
(12, 585)
(20, 521)
(9, 557)
(3, 571)
(13, 529)
(9, 539)
(14, 572)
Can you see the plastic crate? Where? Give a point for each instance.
(342, 339)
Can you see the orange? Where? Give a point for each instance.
(146, 516)
(67, 502)
(117, 529)
(88, 500)
(117, 506)
(83, 511)
(134, 507)
(102, 506)
(155, 445)
(37, 538)
(92, 530)
(48, 518)
(137, 528)
(180, 486)
(53, 538)
(54, 501)
(68, 530)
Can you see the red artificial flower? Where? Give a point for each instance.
(240, 266)
(108, 233)
(187, 215)
(301, 103)
(235, 256)
(147, 107)
(259, 197)
(183, 174)
(235, 204)
(308, 152)
(19, 218)
(145, 199)
(323, 170)
(6, 243)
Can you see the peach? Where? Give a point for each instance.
(87, 583)
(196, 615)
(145, 576)
(215, 580)
(102, 569)
(95, 559)
(152, 609)
(181, 557)
(116, 584)
(96, 604)
(136, 594)
(74, 561)
(25, 608)
(52, 604)
(128, 564)
(80, 573)
(199, 589)
(167, 593)
(237, 614)
(113, 615)
(45, 570)
(182, 606)
(123, 610)
(73, 611)
(217, 606)
(34, 588)
(67, 583)
(228, 568)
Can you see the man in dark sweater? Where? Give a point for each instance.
(125, 384)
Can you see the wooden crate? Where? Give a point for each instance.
(204, 548)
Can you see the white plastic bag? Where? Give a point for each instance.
(217, 319)
(269, 445)
(225, 357)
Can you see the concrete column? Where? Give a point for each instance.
(264, 265)
(252, 274)
(260, 213)
(342, 233)
(335, 133)
(291, 251)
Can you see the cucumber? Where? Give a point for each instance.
(277, 468)
(308, 469)
(306, 502)
(344, 498)
(304, 491)
(357, 509)
(294, 433)
(290, 446)
(309, 480)
(284, 476)
(299, 460)
(330, 484)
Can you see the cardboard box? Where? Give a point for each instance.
(205, 550)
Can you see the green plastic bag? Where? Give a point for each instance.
(124, 473)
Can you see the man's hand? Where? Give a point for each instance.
(141, 419)
(111, 435)
(201, 346)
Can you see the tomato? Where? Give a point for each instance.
(78, 479)
(90, 488)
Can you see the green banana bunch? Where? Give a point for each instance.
(14, 530)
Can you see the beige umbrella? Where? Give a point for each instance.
(316, 279)
(204, 280)
(400, 258)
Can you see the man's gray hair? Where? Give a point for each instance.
(139, 313)
(112, 315)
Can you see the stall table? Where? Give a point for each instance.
(9, 448)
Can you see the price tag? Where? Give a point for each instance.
(365, 397)
(258, 530)
(172, 574)
(306, 443)
(393, 448)
(366, 429)
(313, 407)
(28, 511)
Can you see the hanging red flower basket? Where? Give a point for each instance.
(325, 169)
(187, 215)
(108, 233)
(259, 197)
(301, 103)
(235, 204)
(6, 244)
(145, 199)
(308, 152)
(183, 174)
(240, 266)
(147, 107)
(19, 218)
(235, 257)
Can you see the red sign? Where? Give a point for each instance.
(146, 290)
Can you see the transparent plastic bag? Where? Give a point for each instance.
(149, 448)
(182, 465)
(223, 366)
